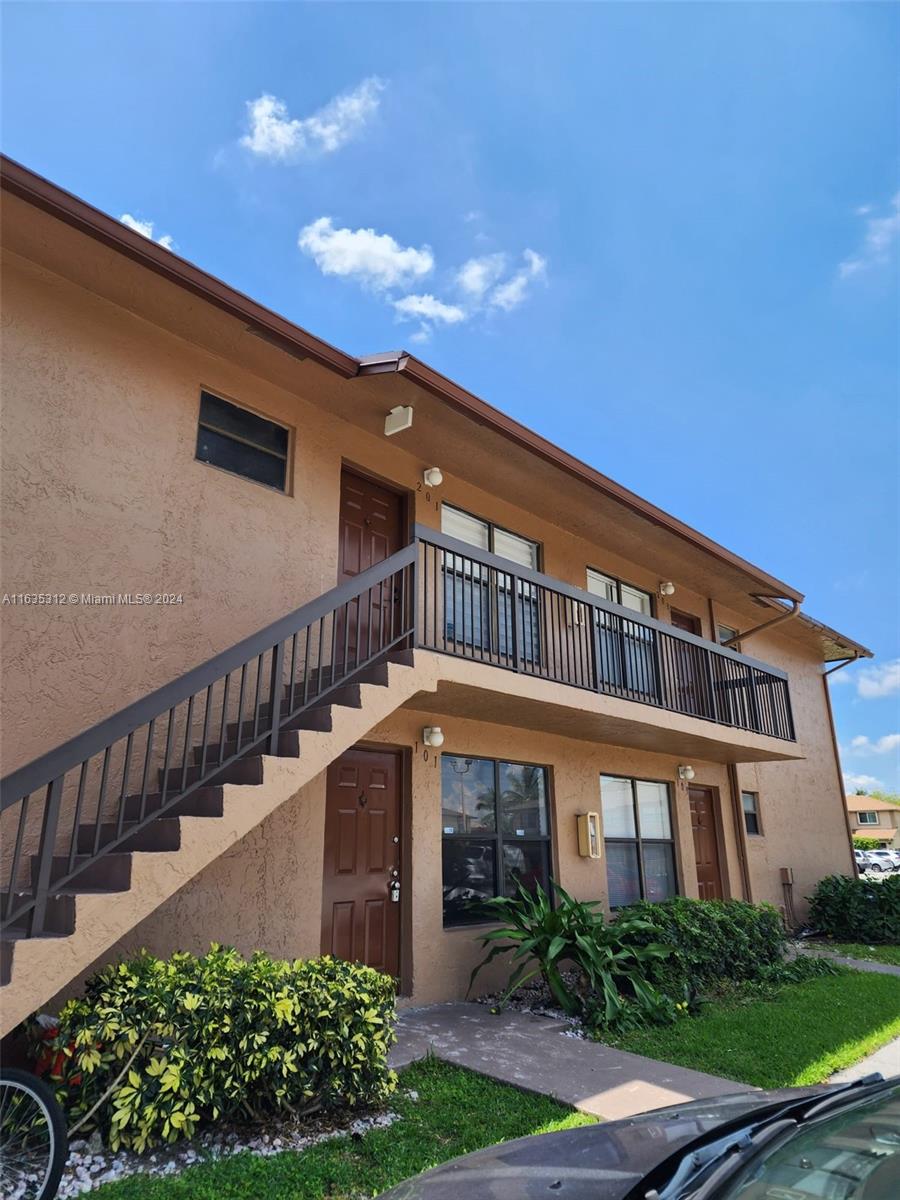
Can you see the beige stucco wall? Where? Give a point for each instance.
(102, 494)
(266, 891)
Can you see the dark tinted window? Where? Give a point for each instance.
(496, 832)
(242, 442)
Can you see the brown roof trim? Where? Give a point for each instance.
(43, 194)
(485, 414)
(61, 204)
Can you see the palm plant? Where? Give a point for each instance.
(543, 937)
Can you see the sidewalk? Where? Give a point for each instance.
(534, 1053)
(858, 964)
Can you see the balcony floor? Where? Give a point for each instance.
(481, 692)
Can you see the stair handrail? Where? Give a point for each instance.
(65, 757)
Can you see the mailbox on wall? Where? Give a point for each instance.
(589, 835)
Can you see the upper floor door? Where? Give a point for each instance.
(371, 529)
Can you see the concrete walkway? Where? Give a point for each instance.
(886, 1060)
(534, 1053)
(858, 964)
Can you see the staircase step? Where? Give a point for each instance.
(288, 744)
(163, 833)
(204, 802)
(59, 917)
(109, 873)
(244, 771)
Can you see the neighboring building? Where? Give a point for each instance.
(182, 468)
(874, 818)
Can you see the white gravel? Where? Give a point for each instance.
(90, 1163)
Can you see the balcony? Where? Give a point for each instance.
(476, 606)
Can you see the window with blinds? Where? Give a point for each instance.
(626, 648)
(478, 601)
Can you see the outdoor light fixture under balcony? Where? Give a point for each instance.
(686, 773)
(666, 587)
(433, 477)
(433, 735)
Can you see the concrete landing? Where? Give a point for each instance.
(534, 1053)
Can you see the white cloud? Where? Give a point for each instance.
(510, 294)
(875, 682)
(374, 259)
(880, 235)
(476, 275)
(428, 308)
(145, 228)
(275, 135)
(868, 782)
(863, 745)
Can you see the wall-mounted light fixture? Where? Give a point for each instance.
(589, 834)
(666, 587)
(433, 477)
(398, 419)
(433, 735)
(686, 773)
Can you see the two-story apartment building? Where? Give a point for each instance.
(876, 819)
(310, 653)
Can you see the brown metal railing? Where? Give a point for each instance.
(482, 607)
(61, 814)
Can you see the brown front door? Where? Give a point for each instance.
(361, 873)
(687, 665)
(686, 621)
(704, 823)
(371, 530)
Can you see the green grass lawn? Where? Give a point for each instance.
(882, 954)
(802, 1035)
(456, 1112)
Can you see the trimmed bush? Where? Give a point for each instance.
(857, 910)
(709, 940)
(161, 1046)
(864, 843)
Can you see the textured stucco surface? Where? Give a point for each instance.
(102, 494)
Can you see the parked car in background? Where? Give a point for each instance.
(865, 863)
(889, 860)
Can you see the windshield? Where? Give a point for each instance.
(854, 1155)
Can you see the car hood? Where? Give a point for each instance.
(593, 1162)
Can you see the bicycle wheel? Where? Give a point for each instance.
(33, 1146)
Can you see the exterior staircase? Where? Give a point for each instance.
(101, 831)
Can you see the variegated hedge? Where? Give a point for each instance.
(156, 1048)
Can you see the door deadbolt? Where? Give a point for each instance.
(395, 891)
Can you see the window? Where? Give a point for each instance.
(867, 818)
(617, 592)
(241, 442)
(477, 600)
(637, 832)
(750, 805)
(725, 633)
(496, 831)
(626, 647)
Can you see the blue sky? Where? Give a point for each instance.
(665, 236)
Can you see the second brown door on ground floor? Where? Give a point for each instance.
(361, 870)
(705, 827)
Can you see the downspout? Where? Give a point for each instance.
(771, 623)
(741, 831)
(837, 756)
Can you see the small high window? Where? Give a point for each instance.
(241, 442)
(725, 633)
(750, 805)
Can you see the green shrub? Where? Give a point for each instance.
(709, 940)
(864, 843)
(611, 961)
(857, 910)
(165, 1045)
